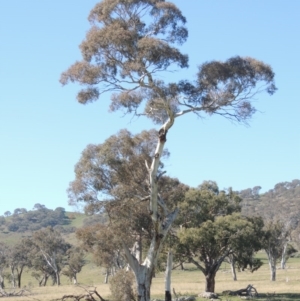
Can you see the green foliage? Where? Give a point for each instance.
(212, 228)
(206, 203)
(23, 220)
(74, 263)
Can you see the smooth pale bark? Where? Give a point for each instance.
(231, 261)
(168, 296)
(272, 264)
(51, 261)
(13, 278)
(162, 221)
(106, 276)
(144, 272)
(137, 249)
(283, 257)
(153, 170)
(233, 271)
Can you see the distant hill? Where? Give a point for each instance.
(23, 223)
(281, 202)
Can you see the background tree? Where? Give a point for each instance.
(41, 270)
(129, 44)
(36, 219)
(212, 229)
(2, 222)
(4, 251)
(121, 174)
(74, 263)
(244, 256)
(274, 243)
(18, 259)
(50, 244)
(105, 245)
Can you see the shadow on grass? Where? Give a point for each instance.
(264, 297)
(279, 297)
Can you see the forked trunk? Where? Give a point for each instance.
(162, 220)
(144, 272)
(19, 275)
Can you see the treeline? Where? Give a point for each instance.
(22, 220)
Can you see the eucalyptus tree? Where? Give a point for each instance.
(74, 263)
(130, 44)
(112, 179)
(243, 257)
(50, 247)
(18, 258)
(275, 242)
(212, 229)
(4, 252)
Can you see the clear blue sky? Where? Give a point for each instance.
(43, 130)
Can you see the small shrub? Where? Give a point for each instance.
(121, 286)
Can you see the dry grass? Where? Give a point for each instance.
(185, 282)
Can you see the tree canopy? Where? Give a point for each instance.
(130, 44)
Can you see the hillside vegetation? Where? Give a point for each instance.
(282, 203)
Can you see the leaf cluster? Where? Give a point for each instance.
(131, 42)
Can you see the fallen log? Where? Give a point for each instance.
(14, 293)
(90, 295)
(250, 291)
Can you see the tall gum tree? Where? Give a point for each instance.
(129, 44)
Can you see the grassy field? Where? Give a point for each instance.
(188, 282)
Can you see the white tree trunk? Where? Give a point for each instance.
(137, 249)
(162, 220)
(272, 264)
(144, 272)
(75, 279)
(51, 261)
(168, 296)
(233, 271)
(13, 278)
(106, 276)
(283, 257)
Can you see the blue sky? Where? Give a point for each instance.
(43, 130)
